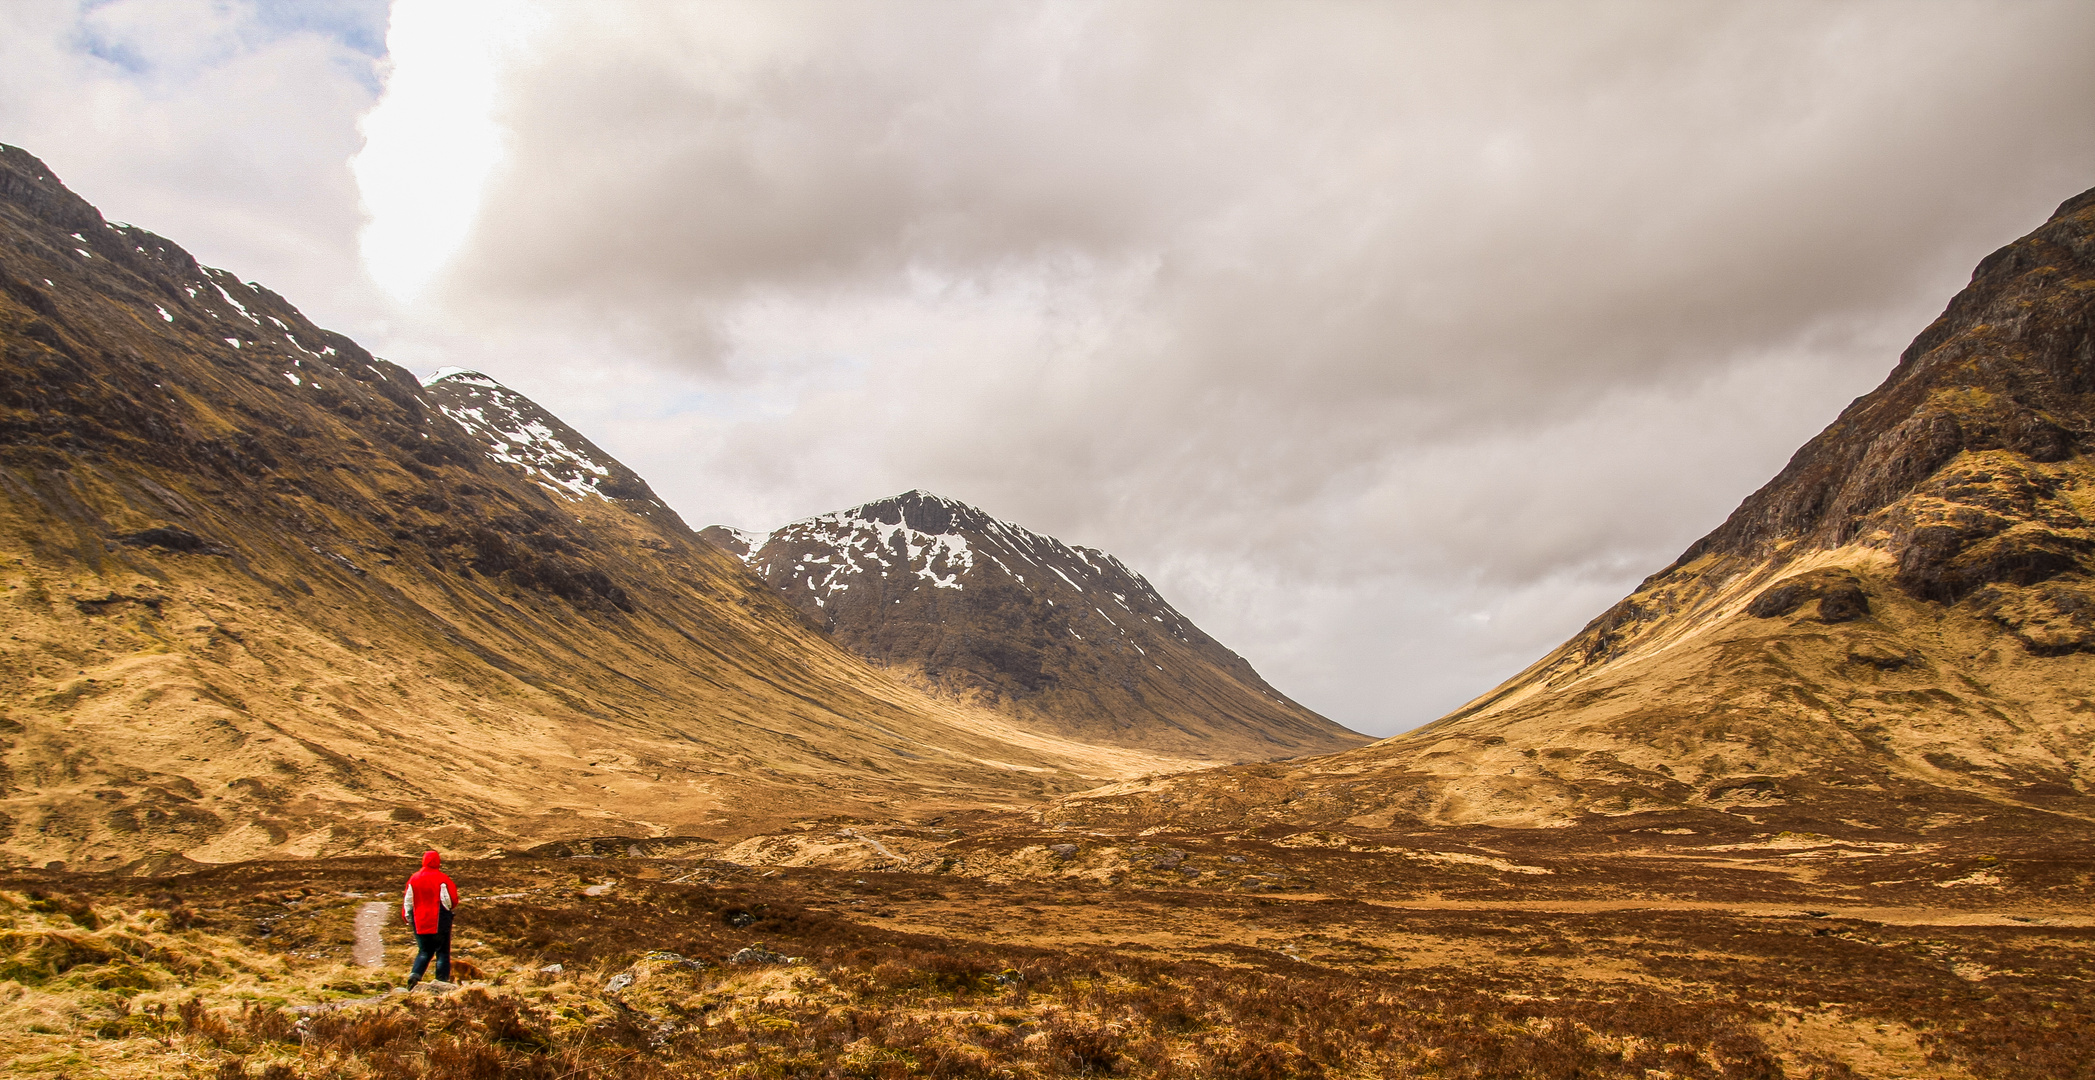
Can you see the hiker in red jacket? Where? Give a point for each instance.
(426, 905)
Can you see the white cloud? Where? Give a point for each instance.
(223, 125)
(431, 141)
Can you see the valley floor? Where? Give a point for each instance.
(989, 946)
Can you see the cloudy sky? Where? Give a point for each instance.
(1392, 341)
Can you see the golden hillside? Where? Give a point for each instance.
(1900, 627)
(268, 595)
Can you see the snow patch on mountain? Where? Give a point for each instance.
(516, 432)
(921, 537)
(851, 546)
(745, 542)
(462, 375)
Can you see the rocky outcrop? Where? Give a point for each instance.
(1839, 595)
(2009, 366)
(1066, 638)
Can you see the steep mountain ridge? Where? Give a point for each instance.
(1898, 628)
(1066, 638)
(266, 594)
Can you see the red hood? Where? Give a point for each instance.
(430, 859)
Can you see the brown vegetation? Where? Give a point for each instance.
(1654, 954)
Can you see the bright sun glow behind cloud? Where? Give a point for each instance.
(432, 140)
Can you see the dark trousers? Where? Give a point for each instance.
(436, 945)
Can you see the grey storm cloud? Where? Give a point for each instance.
(1395, 339)
(1381, 199)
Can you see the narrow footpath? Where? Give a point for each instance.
(370, 949)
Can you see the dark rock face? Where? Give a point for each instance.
(2009, 366)
(1969, 466)
(172, 538)
(1843, 603)
(1064, 635)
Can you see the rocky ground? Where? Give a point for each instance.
(992, 946)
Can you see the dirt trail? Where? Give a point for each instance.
(876, 845)
(370, 949)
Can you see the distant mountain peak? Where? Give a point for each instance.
(932, 539)
(1063, 634)
(462, 375)
(925, 512)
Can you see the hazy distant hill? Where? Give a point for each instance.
(266, 594)
(1066, 638)
(1900, 627)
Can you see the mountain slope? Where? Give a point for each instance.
(1066, 639)
(1899, 627)
(266, 594)
(555, 456)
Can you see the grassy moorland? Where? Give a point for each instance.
(1135, 956)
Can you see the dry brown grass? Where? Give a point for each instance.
(917, 975)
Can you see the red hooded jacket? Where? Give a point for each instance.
(429, 893)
